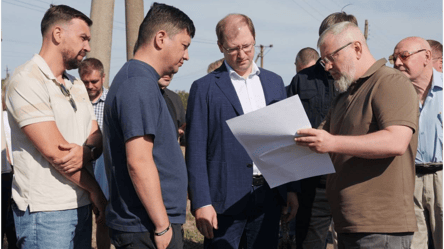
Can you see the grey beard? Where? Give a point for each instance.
(343, 83)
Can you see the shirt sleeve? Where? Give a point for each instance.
(395, 102)
(28, 101)
(138, 107)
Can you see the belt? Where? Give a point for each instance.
(258, 180)
(428, 168)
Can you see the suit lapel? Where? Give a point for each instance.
(266, 86)
(223, 81)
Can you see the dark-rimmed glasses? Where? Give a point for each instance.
(246, 48)
(403, 55)
(329, 58)
(68, 94)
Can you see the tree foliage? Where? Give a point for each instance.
(184, 97)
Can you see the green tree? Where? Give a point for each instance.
(184, 97)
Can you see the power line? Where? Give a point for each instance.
(31, 5)
(42, 1)
(22, 6)
(322, 15)
(305, 10)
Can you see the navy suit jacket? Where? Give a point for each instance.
(219, 169)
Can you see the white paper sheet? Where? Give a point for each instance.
(268, 135)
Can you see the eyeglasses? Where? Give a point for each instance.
(329, 58)
(68, 94)
(403, 56)
(246, 48)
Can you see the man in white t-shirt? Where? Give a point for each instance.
(56, 136)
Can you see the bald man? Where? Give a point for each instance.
(370, 134)
(413, 57)
(306, 57)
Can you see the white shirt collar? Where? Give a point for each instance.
(254, 71)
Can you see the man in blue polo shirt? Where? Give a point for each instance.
(144, 163)
(413, 57)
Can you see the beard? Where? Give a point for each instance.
(71, 62)
(343, 83)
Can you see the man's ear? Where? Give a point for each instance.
(160, 38)
(57, 34)
(428, 57)
(357, 47)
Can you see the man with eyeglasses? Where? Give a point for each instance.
(370, 133)
(233, 205)
(413, 57)
(315, 88)
(56, 137)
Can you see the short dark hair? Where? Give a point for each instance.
(61, 13)
(334, 18)
(163, 17)
(306, 55)
(220, 27)
(436, 47)
(87, 66)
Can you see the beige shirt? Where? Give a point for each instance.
(34, 96)
(374, 195)
(4, 164)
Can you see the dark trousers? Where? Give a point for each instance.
(314, 215)
(125, 240)
(374, 240)
(6, 200)
(255, 227)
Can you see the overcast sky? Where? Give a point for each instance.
(289, 25)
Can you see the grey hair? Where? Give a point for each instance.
(344, 31)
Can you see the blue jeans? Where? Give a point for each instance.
(70, 228)
(374, 240)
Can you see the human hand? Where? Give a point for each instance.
(206, 220)
(318, 141)
(164, 240)
(292, 202)
(71, 162)
(181, 132)
(99, 204)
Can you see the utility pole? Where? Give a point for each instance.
(102, 15)
(366, 29)
(133, 19)
(261, 54)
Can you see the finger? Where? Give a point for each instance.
(307, 132)
(209, 231)
(303, 144)
(72, 170)
(305, 139)
(67, 146)
(215, 225)
(201, 227)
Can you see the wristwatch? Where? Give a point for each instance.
(92, 148)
